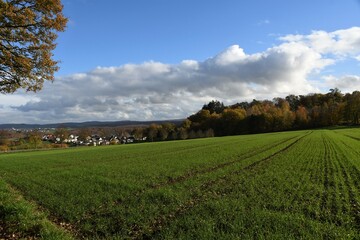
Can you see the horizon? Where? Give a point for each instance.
(103, 123)
(158, 60)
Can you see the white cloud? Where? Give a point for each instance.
(155, 90)
(345, 42)
(232, 55)
(346, 83)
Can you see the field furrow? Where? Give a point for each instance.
(206, 193)
(247, 155)
(290, 185)
(351, 191)
(299, 195)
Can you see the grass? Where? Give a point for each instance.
(21, 219)
(301, 184)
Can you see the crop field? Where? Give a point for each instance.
(289, 185)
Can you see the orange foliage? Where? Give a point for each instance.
(28, 33)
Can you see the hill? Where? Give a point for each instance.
(87, 124)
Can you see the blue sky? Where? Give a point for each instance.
(163, 59)
(112, 33)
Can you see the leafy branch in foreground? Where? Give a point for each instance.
(28, 30)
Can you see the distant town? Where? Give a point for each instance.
(29, 137)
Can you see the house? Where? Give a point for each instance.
(49, 137)
(130, 139)
(97, 140)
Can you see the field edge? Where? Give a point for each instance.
(21, 219)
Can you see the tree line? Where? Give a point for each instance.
(280, 114)
(289, 113)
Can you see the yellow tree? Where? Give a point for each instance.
(28, 30)
(34, 138)
(302, 117)
(231, 120)
(288, 117)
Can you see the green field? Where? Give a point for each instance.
(289, 185)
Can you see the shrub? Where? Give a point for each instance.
(4, 148)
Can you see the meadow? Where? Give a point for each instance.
(288, 185)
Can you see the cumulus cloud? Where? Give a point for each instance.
(344, 42)
(155, 90)
(346, 83)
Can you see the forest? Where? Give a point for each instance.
(289, 113)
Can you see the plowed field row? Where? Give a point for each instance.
(303, 184)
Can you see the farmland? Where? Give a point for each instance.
(289, 185)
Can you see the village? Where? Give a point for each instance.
(41, 138)
(93, 140)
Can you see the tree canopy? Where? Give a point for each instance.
(28, 30)
(289, 113)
